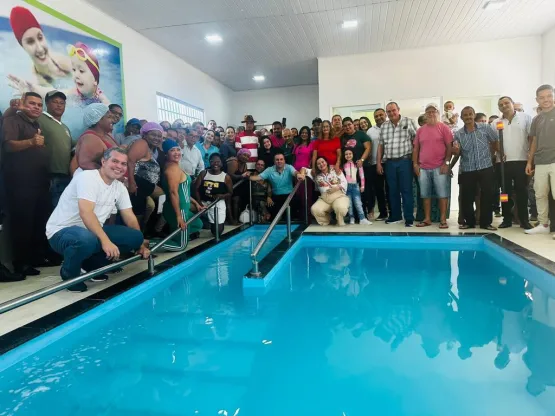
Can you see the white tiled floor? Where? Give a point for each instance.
(24, 315)
(540, 244)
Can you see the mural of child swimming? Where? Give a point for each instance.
(42, 52)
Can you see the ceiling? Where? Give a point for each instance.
(282, 39)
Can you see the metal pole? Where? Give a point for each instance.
(250, 203)
(306, 201)
(151, 265)
(254, 271)
(39, 294)
(289, 239)
(500, 127)
(217, 223)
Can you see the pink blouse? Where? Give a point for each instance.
(303, 155)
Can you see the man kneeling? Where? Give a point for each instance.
(76, 228)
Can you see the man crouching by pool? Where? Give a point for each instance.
(76, 228)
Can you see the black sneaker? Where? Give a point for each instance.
(78, 288)
(26, 270)
(99, 278)
(392, 221)
(7, 276)
(526, 226)
(381, 218)
(46, 262)
(505, 225)
(409, 224)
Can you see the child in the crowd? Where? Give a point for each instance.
(354, 175)
(450, 117)
(260, 192)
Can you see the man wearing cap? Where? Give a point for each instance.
(430, 158)
(131, 133)
(248, 140)
(27, 179)
(58, 142)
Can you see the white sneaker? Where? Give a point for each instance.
(352, 221)
(540, 229)
(364, 221)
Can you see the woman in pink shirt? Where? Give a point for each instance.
(303, 158)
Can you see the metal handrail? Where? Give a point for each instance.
(41, 293)
(286, 206)
(194, 217)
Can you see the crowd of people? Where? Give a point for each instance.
(89, 200)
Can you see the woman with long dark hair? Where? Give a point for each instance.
(267, 152)
(303, 159)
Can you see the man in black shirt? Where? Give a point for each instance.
(25, 169)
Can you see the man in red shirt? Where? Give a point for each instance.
(430, 157)
(248, 140)
(277, 138)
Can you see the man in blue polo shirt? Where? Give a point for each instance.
(280, 177)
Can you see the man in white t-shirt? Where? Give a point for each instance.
(516, 143)
(76, 228)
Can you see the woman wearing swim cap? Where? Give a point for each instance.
(177, 207)
(95, 140)
(47, 67)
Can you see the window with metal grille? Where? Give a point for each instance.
(171, 109)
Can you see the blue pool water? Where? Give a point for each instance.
(349, 327)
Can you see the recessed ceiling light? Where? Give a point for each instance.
(259, 78)
(494, 4)
(213, 38)
(348, 24)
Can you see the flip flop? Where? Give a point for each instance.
(464, 227)
(423, 224)
(443, 226)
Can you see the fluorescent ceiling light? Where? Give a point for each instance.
(213, 38)
(494, 4)
(259, 78)
(348, 24)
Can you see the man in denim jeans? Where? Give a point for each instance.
(396, 146)
(430, 157)
(76, 228)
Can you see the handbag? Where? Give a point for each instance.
(245, 216)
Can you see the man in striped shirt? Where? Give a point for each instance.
(248, 140)
(475, 142)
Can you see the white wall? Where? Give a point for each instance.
(506, 67)
(148, 68)
(548, 58)
(298, 104)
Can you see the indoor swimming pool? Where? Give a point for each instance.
(350, 325)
